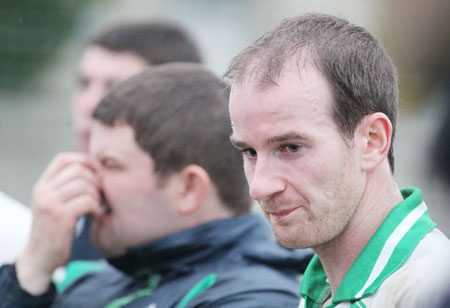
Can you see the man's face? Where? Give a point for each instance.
(98, 70)
(139, 207)
(301, 171)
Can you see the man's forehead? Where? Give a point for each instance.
(120, 135)
(297, 98)
(118, 127)
(266, 72)
(118, 65)
(295, 71)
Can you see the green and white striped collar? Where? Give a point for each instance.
(391, 245)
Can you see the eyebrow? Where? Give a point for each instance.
(237, 143)
(289, 136)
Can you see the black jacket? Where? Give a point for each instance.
(232, 263)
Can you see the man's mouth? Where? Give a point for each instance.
(106, 209)
(104, 205)
(279, 215)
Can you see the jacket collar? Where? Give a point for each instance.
(181, 252)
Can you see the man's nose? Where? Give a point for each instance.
(266, 181)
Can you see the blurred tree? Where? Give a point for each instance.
(30, 33)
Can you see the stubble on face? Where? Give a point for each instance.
(321, 221)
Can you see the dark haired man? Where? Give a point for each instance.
(112, 55)
(169, 204)
(313, 106)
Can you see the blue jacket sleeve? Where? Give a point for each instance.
(12, 295)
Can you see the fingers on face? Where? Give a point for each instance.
(72, 173)
(78, 187)
(63, 160)
(83, 205)
(71, 182)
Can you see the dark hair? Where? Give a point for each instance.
(361, 74)
(179, 113)
(156, 42)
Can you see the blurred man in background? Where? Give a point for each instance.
(111, 56)
(169, 204)
(118, 53)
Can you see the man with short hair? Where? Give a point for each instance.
(169, 203)
(112, 55)
(313, 107)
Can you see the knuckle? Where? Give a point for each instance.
(45, 199)
(67, 157)
(82, 186)
(62, 157)
(80, 170)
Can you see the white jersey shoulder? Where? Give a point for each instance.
(422, 280)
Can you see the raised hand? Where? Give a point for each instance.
(67, 190)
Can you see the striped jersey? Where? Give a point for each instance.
(405, 264)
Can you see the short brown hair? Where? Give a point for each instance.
(157, 42)
(179, 113)
(362, 76)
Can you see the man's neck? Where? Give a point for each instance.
(338, 255)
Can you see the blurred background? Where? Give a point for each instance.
(41, 42)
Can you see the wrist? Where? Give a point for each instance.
(31, 277)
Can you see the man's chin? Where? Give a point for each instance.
(103, 241)
(107, 247)
(291, 241)
(113, 252)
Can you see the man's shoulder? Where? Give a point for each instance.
(90, 283)
(76, 271)
(253, 285)
(432, 254)
(422, 279)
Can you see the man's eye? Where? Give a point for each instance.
(109, 164)
(291, 148)
(250, 153)
(82, 83)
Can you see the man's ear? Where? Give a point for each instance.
(375, 133)
(195, 184)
